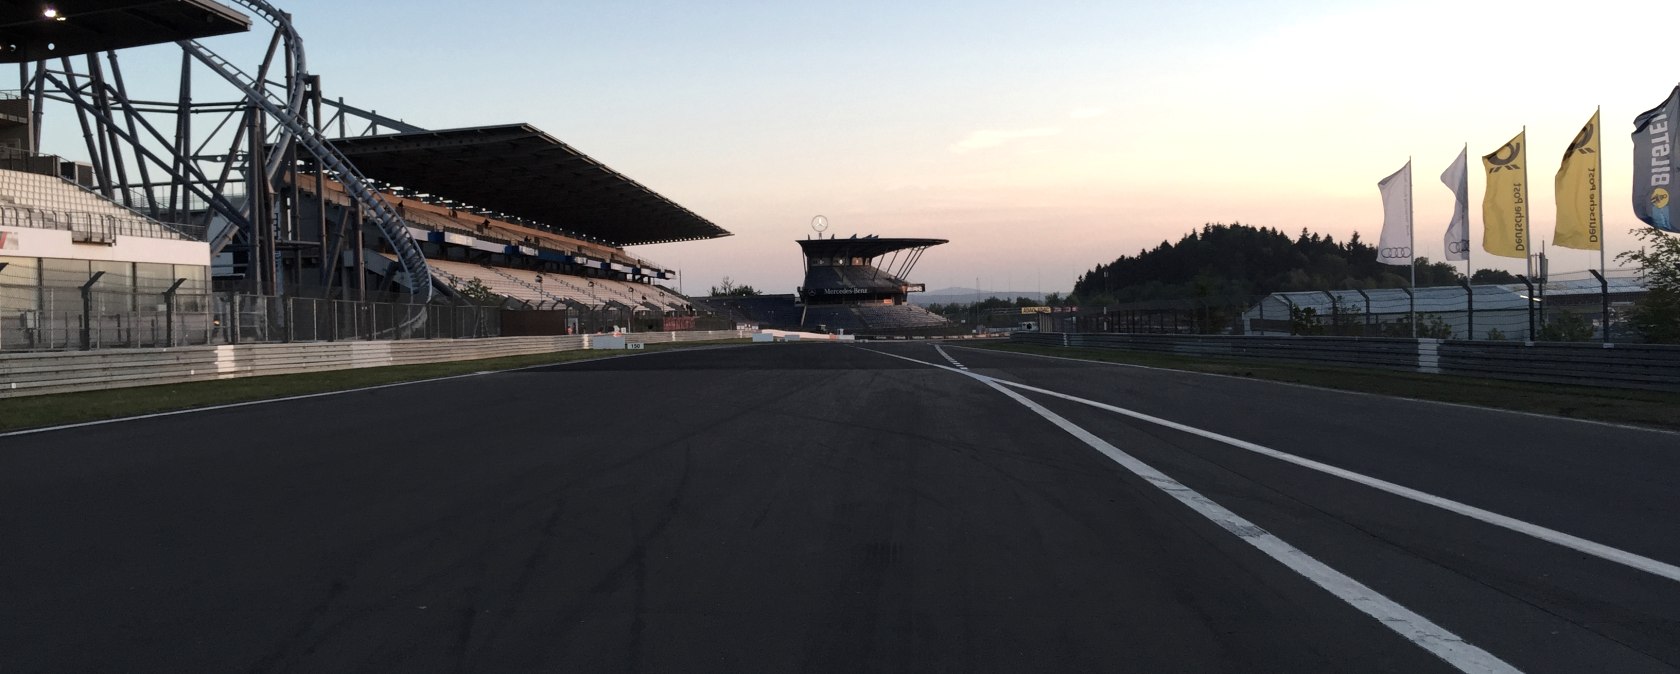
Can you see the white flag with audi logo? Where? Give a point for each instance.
(1395, 247)
(1457, 178)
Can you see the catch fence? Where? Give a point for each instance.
(1568, 307)
(37, 318)
(56, 318)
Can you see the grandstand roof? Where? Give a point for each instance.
(519, 170)
(27, 33)
(866, 247)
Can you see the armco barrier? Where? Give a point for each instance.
(1641, 366)
(1646, 366)
(23, 374)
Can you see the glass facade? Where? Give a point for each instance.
(120, 277)
(151, 277)
(53, 284)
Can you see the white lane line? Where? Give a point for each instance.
(306, 396)
(948, 357)
(1408, 624)
(1576, 543)
(1479, 408)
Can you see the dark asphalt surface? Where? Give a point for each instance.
(820, 508)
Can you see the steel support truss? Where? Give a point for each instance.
(231, 164)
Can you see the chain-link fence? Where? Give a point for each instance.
(1173, 317)
(1567, 308)
(34, 318)
(258, 318)
(37, 318)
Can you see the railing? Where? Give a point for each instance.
(144, 200)
(1636, 366)
(99, 227)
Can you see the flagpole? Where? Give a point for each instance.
(1603, 227)
(1411, 249)
(1528, 222)
(1603, 230)
(1469, 269)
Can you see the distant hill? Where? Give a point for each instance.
(967, 295)
(1236, 263)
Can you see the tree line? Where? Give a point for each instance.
(1237, 263)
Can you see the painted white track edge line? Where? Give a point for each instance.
(1595, 422)
(322, 394)
(949, 358)
(1408, 624)
(1576, 543)
(1631, 560)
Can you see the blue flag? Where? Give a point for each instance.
(1654, 170)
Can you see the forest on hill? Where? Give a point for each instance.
(1237, 263)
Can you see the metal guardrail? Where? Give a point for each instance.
(1632, 366)
(1644, 366)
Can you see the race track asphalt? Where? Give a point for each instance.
(823, 508)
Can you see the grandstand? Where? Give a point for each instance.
(56, 238)
(266, 206)
(27, 34)
(535, 266)
(853, 285)
(549, 233)
(50, 202)
(551, 290)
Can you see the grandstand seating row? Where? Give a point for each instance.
(420, 213)
(524, 285)
(862, 276)
(50, 202)
(897, 316)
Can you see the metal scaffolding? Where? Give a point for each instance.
(232, 163)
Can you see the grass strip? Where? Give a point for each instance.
(70, 408)
(1628, 406)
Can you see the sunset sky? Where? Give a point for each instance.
(1040, 138)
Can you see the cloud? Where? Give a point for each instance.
(990, 138)
(1087, 113)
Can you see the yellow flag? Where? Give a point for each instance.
(1579, 204)
(1505, 205)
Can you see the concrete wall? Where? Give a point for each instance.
(57, 243)
(24, 374)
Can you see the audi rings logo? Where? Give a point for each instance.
(1458, 246)
(1398, 253)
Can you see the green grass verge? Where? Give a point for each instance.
(1648, 408)
(70, 408)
